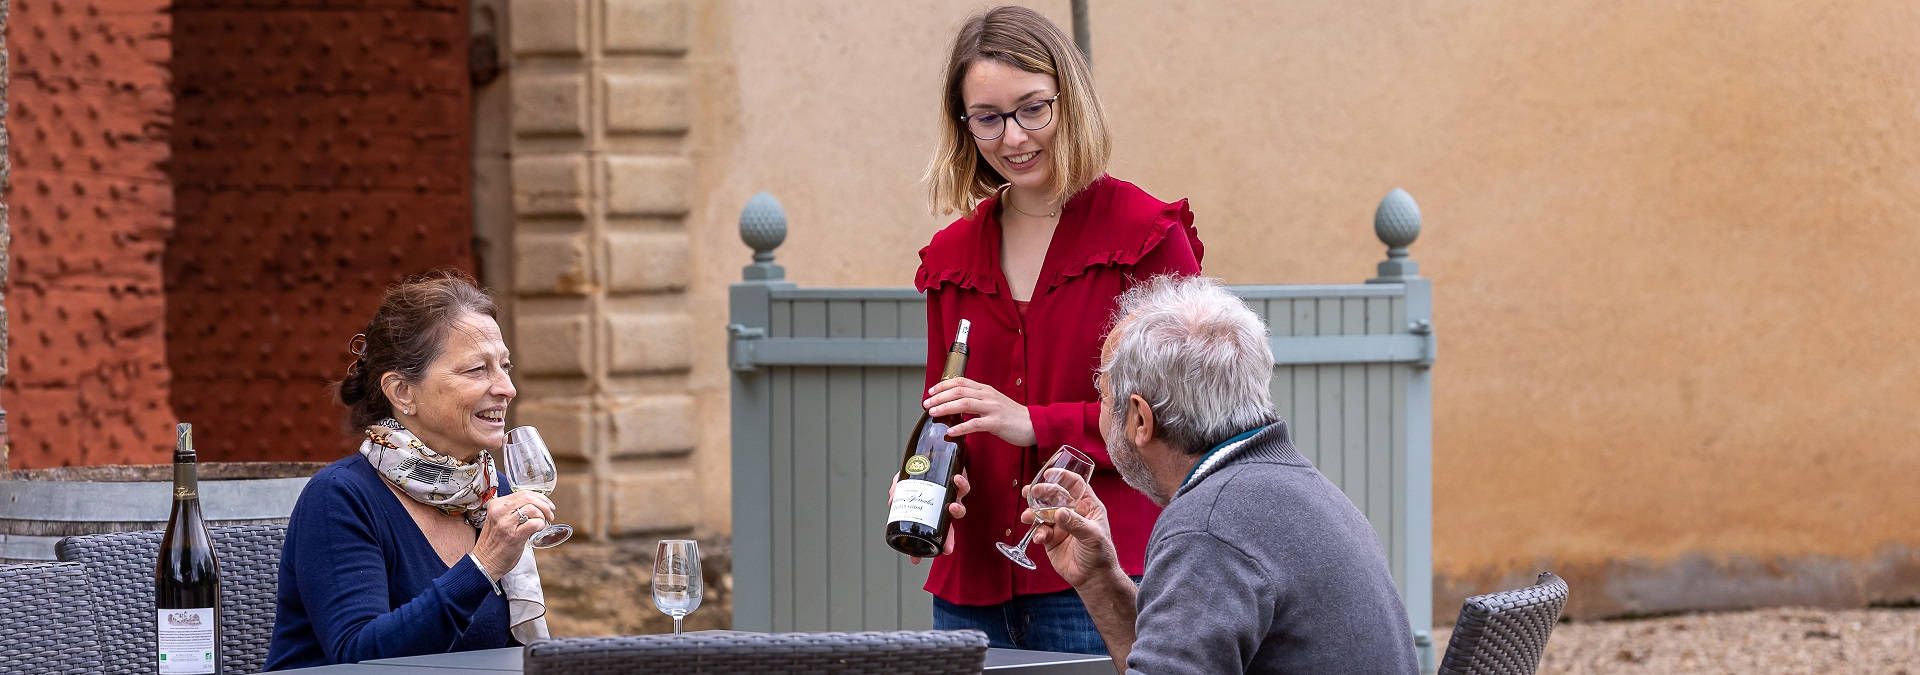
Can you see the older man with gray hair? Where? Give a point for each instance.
(1258, 563)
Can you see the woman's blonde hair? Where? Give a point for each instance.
(1019, 37)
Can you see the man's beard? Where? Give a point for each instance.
(1126, 458)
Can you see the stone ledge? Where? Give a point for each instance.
(644, 186)
(646, 26)
(550, 104)
(548, 27)
(550, 344)
(646, 103)
(565, 423)
(574, 504)
(550, 185)
(649, 343)
(1630, 587)
(660, 500)
(640, 262)
(651, 425)
(552, 263)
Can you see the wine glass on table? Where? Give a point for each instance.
(530, 467)
(1045, 496)
(676, 578)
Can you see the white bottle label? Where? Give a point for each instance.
(917, 501)
(186, 641)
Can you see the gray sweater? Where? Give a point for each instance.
(1262, 565)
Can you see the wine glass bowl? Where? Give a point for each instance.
(530, 467)
(1045, 498)
(1045, 495)
(676, 579)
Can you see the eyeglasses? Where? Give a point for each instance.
(1032, 116)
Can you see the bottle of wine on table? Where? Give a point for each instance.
(186, 578)
(917, 517)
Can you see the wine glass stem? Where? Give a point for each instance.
(676, 624)
(1022, 546)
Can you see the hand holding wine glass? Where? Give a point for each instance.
(1046, 495)
(1078, 539)
(530, 468)
(504, 535)
(676, 578)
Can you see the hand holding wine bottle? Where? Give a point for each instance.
(955, 510)
(918, 504)
(987, 410)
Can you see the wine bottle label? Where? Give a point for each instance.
(918, 464)
(186, 481)
(917, 501)
(186, 641)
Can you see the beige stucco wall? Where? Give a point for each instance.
(1670, 243)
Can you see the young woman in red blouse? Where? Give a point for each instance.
(1049, 241)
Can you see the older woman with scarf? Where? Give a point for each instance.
(415, 544)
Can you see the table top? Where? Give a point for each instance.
(508, 660)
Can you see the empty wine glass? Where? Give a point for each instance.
(1045, 495)
(676, 578)
(530, 467)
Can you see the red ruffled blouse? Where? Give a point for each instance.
(1110, 235)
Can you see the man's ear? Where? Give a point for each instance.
(1140, 427)
(398, 392)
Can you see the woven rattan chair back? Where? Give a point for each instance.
(120, 564)
(46, 620)
(1505, 633)
(903, 652)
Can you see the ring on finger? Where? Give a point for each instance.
(522, 514)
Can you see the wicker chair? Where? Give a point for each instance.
(121, 564)
(1505, 633)
(46, 620)
(905, 652)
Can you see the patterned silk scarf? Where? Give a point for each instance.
(462, 488)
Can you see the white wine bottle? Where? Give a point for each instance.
(917, 516)
(186, 578)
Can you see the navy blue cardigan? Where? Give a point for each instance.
(359, 581)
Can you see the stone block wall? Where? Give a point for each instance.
(595, 147)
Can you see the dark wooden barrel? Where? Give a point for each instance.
(38, 507)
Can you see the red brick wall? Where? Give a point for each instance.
(91, 212)
(208, 198)
(321, 152)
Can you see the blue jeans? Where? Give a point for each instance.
(1050, 622)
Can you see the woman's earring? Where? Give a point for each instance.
(409, 411)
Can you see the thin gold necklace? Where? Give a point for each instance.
(1009, 200)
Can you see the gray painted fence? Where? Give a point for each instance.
(827, 381)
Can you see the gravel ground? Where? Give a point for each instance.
(1828, 642)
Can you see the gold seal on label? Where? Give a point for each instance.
(918, 464)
